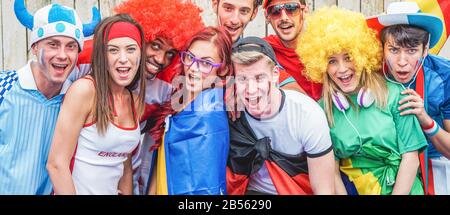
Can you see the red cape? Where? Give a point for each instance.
(292, 64)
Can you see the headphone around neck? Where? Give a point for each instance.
(364, 99)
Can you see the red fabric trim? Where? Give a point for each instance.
(375, 25)
(236, 184)
(149, 111)
(133, 109)
(124, 128)
(445, 8)
(290, 61)
(428, 188)
(124, 29)
(170, 71)
(72, 161)
(422, 171)
(85, 55)
(283, 76)
(287, 185)
(89, 124)
(430, 178)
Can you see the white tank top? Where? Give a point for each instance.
(97, 164)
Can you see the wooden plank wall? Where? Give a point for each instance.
(14, 38)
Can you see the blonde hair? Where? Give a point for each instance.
(250, 57)
(374, 81)
(331, 30)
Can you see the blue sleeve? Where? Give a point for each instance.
(442, 66)
(446, 104)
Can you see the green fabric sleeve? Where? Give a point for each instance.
(409, 133)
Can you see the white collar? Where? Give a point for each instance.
(26, 79)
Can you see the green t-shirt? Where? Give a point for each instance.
(372, 163)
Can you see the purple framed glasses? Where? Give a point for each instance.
(204, 66)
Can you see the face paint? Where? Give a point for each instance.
(40, 57)
(417, 68)
(418, 64)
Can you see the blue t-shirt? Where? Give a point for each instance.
(27, 122)
(437, 93)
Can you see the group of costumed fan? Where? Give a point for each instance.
(192, 139)
(194, 149)
(192, 144)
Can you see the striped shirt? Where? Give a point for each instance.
(27, 122)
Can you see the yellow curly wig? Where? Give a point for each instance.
(333, 30)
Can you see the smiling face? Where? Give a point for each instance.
(123, 60)
(234, 15)
(56, 58)
(255, 84)
(341, 70)
(403, 62)
(200, 75)
(287, 22)
(160, 54)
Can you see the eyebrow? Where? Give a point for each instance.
(203, 58)
(158, 40)
(228, 4)
(208, 58)
(54, 41)
(393, 46)
(71, 43)
(118, 46)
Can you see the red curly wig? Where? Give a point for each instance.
(174, 20)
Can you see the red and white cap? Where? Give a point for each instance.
(409, 13)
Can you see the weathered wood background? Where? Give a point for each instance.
(14, 37)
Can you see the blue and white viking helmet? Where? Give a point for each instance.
(55, 20)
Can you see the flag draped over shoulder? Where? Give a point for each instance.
(192, 157)
(289, 173)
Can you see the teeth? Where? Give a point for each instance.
(153, 66)
(233, 28)
(59, 65)
(123, 70)
(285, 25)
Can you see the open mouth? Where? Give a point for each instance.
(253, 101)
(346, 79)
(402, 75)
(233, 30)
(60, 66)
(123, 71)
(285, 26)
(152, 68)
(192, 78)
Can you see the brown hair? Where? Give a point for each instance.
(104, 103)
(406, 36)
(222, 40)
